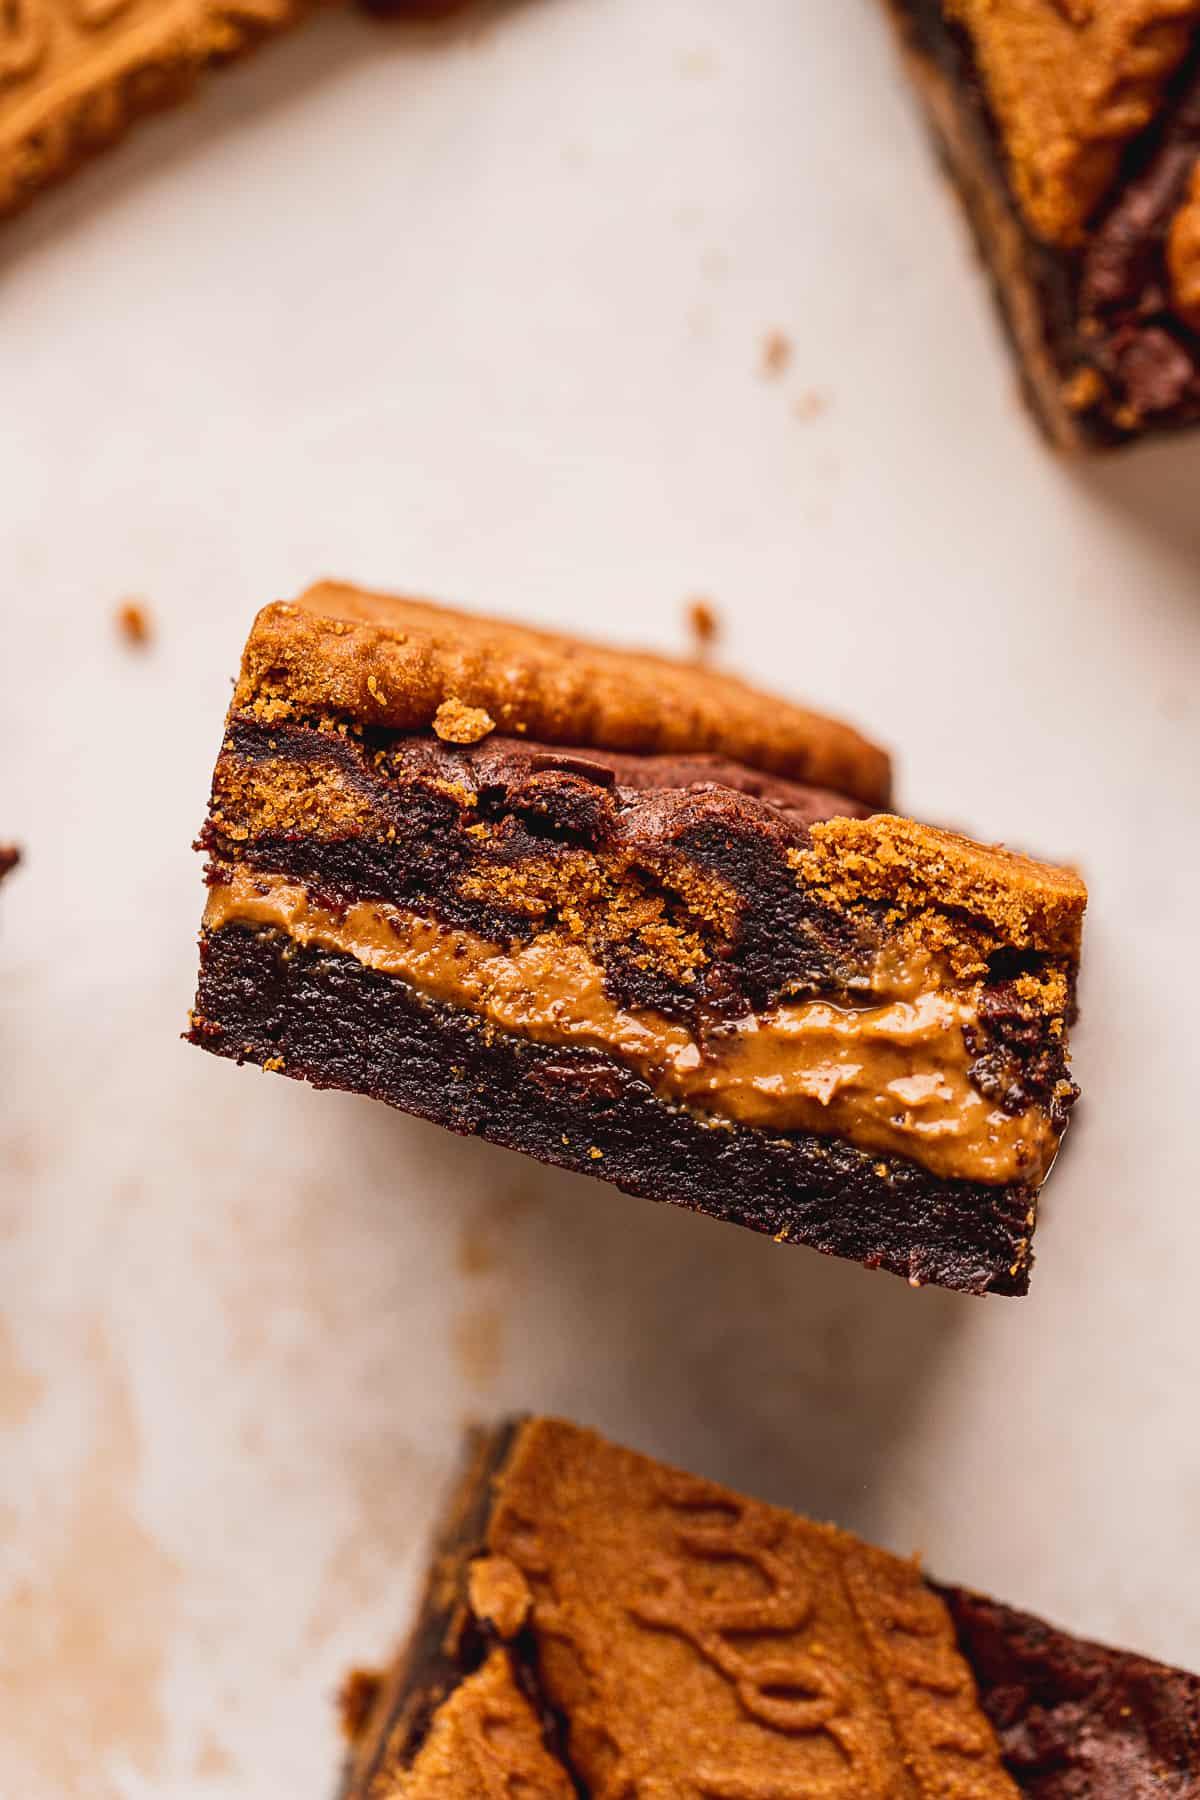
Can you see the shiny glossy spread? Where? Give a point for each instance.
(890, 1075)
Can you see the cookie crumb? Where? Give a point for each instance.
(456, 723)
(499, 1594)
(776, 353)
(133, 623)
(1083, 390)
(704, 624)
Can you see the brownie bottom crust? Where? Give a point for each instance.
(325, 1018)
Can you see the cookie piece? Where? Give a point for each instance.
(1072, 128)
(384, 662)
(701, 982)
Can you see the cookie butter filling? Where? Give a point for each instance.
(891, 1075)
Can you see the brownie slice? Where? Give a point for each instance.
(633, 951)
(1072, 128)
(670, 1637)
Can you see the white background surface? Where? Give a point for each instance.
(480, 313)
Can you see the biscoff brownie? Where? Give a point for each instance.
(75, 75)
(631, 917)
(1072, 128)
(598, 1624)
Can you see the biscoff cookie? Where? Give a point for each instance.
(392, 662)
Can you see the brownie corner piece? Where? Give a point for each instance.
(631, 919)
(1072, 130)
(1078, 1720)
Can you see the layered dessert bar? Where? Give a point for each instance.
(76, 74)
(631, 917)
(1072, 128)
(596, 1624)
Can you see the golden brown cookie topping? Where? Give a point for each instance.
(455, 723)
(499, 1594)
(75, 73)
(346, 656)
(1071, 83)
(485, 1744)
(1183, 255)
(910, 867)
(701, 1643)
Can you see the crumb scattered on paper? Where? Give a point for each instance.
(134, 624)
(810, 404)
(776, 353)
(704, 625)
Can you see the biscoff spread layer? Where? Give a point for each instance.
(890, 1074)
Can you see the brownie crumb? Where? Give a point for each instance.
(456, 723)
(356, 1700)
(776, 353)
(134, 624)
(810, 404)
(704, 625)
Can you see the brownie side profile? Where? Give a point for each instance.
(1073, 134)
(1076, 1720)
(699, 980)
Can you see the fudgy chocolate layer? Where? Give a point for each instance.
(327, 1019)
(1078, 1721)
(1106, 308)
(702, 917)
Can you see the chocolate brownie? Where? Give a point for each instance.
(629, 917)
(596, 1623)
(1072, 128)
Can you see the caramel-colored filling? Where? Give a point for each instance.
(891, 1075)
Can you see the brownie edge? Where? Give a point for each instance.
(1077, 1720)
